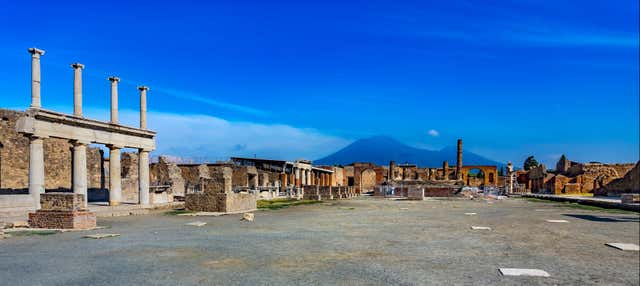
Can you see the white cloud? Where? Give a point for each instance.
(207, 138)
(433, 133)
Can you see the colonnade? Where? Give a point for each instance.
(79, 181)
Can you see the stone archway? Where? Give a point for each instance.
(489, 175)
(367, 180)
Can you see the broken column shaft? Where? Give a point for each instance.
(459, 161)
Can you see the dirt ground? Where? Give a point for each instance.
(362, 241)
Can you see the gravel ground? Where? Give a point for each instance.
(362, 241)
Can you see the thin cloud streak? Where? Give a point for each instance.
(198, 98)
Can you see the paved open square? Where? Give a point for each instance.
(362, 241)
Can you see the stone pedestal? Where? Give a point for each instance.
(216, 195)
(62, 211)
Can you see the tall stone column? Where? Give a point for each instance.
(143, 177)
(114, 98)
(115, 188)
(445, 170)
(35, 79)
(77, 89)
(36, 169)
(80, 169)
(309, 177)
(143, 106)
(297, 177)
(459, 161)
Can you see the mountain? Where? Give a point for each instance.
(382, 149)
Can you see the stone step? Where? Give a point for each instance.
(10, 201)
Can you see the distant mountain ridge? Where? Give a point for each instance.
(382, 149)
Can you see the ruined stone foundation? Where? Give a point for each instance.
(62, 211)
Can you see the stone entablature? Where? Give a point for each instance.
(46, 123)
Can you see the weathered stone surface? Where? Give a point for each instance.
(62, 202)
(480, 228)
(220, 202)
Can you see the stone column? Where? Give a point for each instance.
(297, 177)
(459, 160)
(77, 89)
(392, 166)
(36, 169)
(445, 170)
(35, 79)
(143, 176)
(143, 106)
(114, 98)
(309, 177)
(80, 169)
(115, 189)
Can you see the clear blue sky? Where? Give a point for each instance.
(302, 78)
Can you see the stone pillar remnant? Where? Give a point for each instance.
(77, 89)
(143, 176)
(445, 170)
(459, 161)
(35, 79)
(36, 169)
(143, 106)
(114, 98)
(80, 169)
(115, 189)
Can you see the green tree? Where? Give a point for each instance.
(530, 163)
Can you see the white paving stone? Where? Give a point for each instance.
(196, 223)
(470, 213)
(624, 246)
(557, 220)
(524, 272)
(480, 228)
(101, 235)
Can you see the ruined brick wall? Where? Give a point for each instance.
(96, 169)
(14, 153)
(338, 176)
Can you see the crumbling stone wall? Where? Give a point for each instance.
(165, 173)
(630, 183)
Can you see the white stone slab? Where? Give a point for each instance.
(624, 246)
(480, 228)
(470, 213)
(197, 223)
(557, 220)
(404, 209)
(101, 235)
(523, 272)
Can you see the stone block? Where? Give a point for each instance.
(62, 202)
(62, 219)
(415, 194)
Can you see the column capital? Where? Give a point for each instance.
(77, 66)
(36, 52)
(114, 79)
(35, 137)
(113, 147)
(142, 87)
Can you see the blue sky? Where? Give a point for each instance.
(289, 79)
